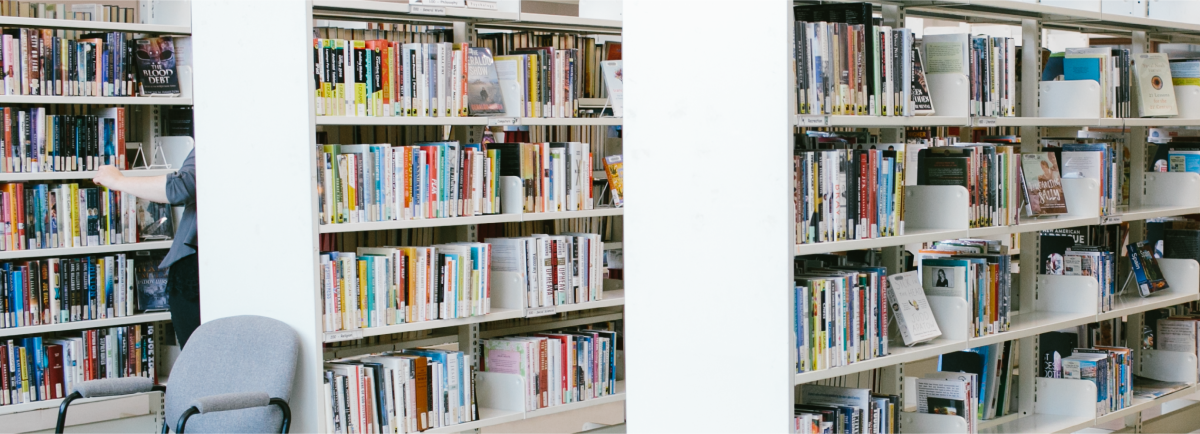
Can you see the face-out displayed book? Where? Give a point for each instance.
(1042, 184)
(1144, 267)
(951, 394)
(1154, 87)
(157, 75)
(911, 309)
(484, 96)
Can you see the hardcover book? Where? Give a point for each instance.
(151, 282)
(154, 221)
(484, 97)
(1043, 185)
(1153, 85)
(156, 66)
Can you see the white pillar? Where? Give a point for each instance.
(254, 169)
(708, 232)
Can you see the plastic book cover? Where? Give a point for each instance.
(154, 221)
(1043, 185)
(1145, 268)
(151, 282)
(484, 96)
(156, 66)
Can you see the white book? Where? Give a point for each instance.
(511, 77)
(911, 309)
(949, 393)
(614, 82)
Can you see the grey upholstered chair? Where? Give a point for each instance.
(241, 367)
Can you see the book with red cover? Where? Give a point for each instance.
(54, 371)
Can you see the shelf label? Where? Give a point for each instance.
(1110, 219)
(814, 121)
(539, 311)
(985, 122)
(427, 10)
(503, 122)
(481, 4)
(345, 335)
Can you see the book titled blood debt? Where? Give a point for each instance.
(156, 67)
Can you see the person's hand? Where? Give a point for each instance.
(108, 176)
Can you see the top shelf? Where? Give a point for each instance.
(816, 121)
(1088, 21)
(159, 29)
(369, 9)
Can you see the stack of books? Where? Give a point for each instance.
(407, 391)
(556, 368)
(44, 368)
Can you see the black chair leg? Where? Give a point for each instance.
(287, 414)
(62, 412)
(184, 417)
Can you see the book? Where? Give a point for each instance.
(614, 170)
(156, 71)
(1053, 348)
(155, 221)
(614, 84)
(1144, 267)
(1183, 160)
(949, 393)
(402, 391)
(816, 287)
(151, 283)
(1153, 85)
(485, 97)
(1042, 184)
(911, 309)
(922, 102)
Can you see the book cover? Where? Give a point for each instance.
(156, 66)
(151, 282)
(614, 170)
(944, 277)
(911, 309)
(1053, 347)
(1183, 160)
(1145, 268)
(1153, 85)
(922, 102)
(1043, 185)
(484, 96)
(614, 82)
(155, 221)
(1181, 243)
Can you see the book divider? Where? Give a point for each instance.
(950, 93)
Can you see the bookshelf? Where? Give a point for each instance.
(144, 120)
(284, 159)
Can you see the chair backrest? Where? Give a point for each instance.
(236, 354)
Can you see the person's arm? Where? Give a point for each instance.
(152, 188)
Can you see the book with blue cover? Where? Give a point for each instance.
(1183, 160)
(1081, 68)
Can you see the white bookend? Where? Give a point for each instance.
(1069, 99)
(1187, 98)
(935, 207)
(932, 423)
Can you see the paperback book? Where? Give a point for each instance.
(1043, 186)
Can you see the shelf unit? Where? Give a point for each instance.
(157, 17)
(290, 113)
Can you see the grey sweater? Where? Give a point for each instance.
(181, 190)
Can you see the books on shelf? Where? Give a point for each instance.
(1111, 368)
(69, 11)
(844, 410)
(554, 270)
(951, 394)
(840, 316)
(484, 95)
(982, 279)
(44, 216)
(914, 316)
(987, 171)
(33, 141)
(44, 368)
(1096, 262)
(382, 286)
(62, 290)
(50, 62)
(848, 194)
(556, 368)
(1111, 68)
(1097, 161)
(560, 68)
(407, 391)
(372, 183)
(992, 365)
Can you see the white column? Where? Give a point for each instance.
(254, 170)
(708, 244)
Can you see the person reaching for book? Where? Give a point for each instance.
(183, 271)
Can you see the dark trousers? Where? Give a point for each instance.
(183, 292)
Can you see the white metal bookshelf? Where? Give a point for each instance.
(291, 113)
(86, 250)
(140, 318)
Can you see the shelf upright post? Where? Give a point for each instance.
(1135, 142)
(892, 377)
(750, 206)
(1031, 249)
(264, 199)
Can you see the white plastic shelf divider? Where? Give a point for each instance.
(94, 25)
(1063, 406)
(474, 220)
(102, 100)
(88, 250)
(1041, 423)
(899, 354)
(913, 236)
(84, 325)
(611, 298)
(44, 176)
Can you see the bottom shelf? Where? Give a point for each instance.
(1050, 423)
(490, 416)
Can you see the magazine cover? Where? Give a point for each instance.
(483, 84)
(154, 221)
(1043, 185)
(156, 66)
(151, 282)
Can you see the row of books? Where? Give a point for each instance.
(43, 368)
(1116, 71)
(46, 216)
(554, 270)
(841, 315)
(990, 63)
(592, 53)
(989, 173)
(993, 366)
(848, 194)
(368, 183)
(402, 392)
(68, 11)
(557, 368)
(975, 270)
(376, 287)
(33, 141)
(823, 409)
(62, 290)
(848, 64)
(50, 62)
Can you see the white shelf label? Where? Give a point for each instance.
(427, 10)
(814, 121)
(539, 311)
(345, 335)
(502, 122)
(440, 2)
(1110, 219)
(985, 122)
(481, 4)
